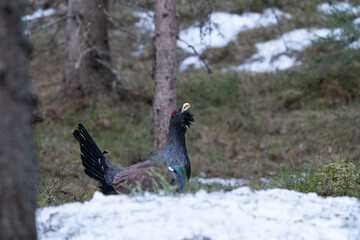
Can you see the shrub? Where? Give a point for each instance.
(339, 178)
(331, 68)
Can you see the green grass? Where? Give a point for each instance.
(247, 126)
(338, 177)
(60, 188)
(243, 133)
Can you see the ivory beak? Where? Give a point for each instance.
(185, 107)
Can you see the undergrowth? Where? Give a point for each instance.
(331, 67)
(247, 126)
(340, 177)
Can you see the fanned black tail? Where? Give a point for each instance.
(94, 161)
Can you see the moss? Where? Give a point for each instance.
(339, 178)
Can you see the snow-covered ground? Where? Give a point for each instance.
(146, 20)
(225, 27)
(274, 55)
(239, 214)
(231, 182)
(339, 6)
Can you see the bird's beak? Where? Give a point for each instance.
(185, 107)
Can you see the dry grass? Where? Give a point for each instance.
(247, 126)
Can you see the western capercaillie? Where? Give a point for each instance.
(171, 164)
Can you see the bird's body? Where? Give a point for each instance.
(171, 164)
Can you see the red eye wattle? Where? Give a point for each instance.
(175, 112)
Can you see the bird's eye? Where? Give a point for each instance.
(175, 112)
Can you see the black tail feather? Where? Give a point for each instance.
(94, 161)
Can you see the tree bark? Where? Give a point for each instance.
(166, 30)
(87, 66)
(17, 155)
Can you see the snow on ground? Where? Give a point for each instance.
(146, 20)
(272, 55)
(339, 6)
(39, 14)
(356, 20)
(239, 214)
(355, 44)
(230, 182)
(193, 61)
(225, 27)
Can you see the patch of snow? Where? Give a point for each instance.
(271, 55)
(356, 20)
(265, 180)
(39, 14)
(193, 61)
(225, 27)
(283, 62)
(139, 52)
(146, 20)
(231, 182)
(340, 6)
(355, 44)
(239, 214)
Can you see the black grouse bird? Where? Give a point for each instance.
(172, 163)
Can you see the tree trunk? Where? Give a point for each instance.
(166, 30)
(17, 156)
(87, 67)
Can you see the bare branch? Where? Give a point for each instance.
(278, 23)
(197, 54)
(82, 55)
(112, 69)
(41, 27)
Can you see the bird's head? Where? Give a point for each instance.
(182, 118)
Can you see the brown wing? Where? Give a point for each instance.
(147, 176)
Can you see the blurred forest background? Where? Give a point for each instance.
(249, 126)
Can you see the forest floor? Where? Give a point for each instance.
(248, 126)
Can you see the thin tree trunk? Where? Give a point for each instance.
(17, 155)
(166, 30)
(87, 66)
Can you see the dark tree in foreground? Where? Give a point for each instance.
(87, 66)
(17, 156)
(166, 30)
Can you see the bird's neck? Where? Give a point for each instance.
(176, 139)
(175, 152)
